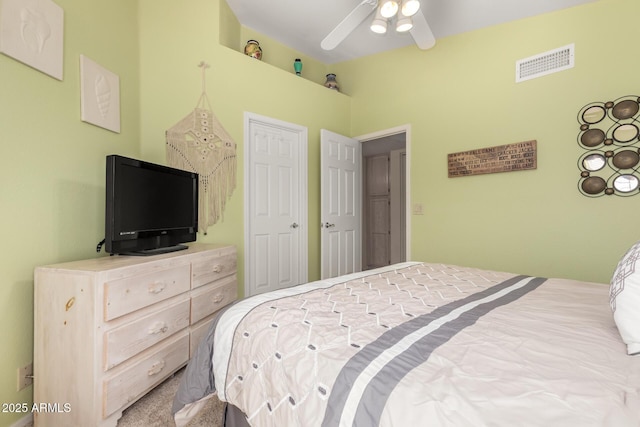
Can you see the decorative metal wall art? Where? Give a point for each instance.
(610, 136)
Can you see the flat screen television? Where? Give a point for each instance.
(150, 208)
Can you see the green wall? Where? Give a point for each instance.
(52, 167)
(235, 36)
(235, 84)
(458, 96)
(462, 95)
(282, 57)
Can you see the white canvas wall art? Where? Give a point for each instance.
(99, 95)
(31, 31)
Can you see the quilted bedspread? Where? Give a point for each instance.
(420, 344)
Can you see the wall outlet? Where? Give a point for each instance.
(25, 376)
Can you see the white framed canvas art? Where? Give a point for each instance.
(31, 31)
(99, 95)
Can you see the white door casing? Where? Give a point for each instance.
(340, 211)
(276, 229)
(398, 205)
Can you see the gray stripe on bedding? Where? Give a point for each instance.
(380, 387)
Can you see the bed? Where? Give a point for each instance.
(426, 344)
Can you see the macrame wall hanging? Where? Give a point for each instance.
(199, 143)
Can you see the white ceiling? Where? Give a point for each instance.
(302, 24)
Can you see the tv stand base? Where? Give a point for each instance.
(157, 251)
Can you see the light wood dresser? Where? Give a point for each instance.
(108, 330)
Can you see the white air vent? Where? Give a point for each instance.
(545, 63)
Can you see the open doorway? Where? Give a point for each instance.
(384, 198)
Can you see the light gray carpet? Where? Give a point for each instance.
(154, 409)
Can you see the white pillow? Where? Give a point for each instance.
(625, 298)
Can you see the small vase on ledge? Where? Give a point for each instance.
(297, 66)
(253, 49)
(331, 82)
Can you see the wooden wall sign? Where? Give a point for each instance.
(502, 158)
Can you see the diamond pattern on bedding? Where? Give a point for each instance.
(287, 352)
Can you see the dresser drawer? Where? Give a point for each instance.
(210, 269)
(133, 293)
(132, 338)
(211, 298)
(134, 381)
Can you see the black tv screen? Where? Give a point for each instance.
(150, 208)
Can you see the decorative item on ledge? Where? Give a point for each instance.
(253, 49)
(297, 66)
(610, 136)
(331, 82)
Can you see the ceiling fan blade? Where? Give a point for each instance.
(348, 24)
(421, 32)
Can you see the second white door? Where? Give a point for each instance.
(341, 182)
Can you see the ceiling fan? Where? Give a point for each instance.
(407, 18)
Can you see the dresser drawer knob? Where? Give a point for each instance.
(156, 368)
(217, 268)
(156, 287)
(158, 328)
(218, 298)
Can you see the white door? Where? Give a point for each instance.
(275, 204)
(341, 184)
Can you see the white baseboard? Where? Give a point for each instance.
(24, 422)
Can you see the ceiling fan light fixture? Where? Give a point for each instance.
(404, 24)
(379, 23)
(388, 8)
(409, 7)
(379, 26)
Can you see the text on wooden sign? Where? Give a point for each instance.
(502, 158)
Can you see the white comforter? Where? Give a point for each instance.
(427, 344)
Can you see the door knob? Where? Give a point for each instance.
(294, 225)
(327, 225)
